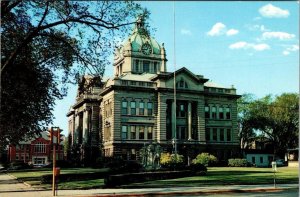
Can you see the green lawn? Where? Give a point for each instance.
(229, 176)
(215, 176)
(33, 178)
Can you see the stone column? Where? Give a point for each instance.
(173, 119)
(76, 129)
(189, 120)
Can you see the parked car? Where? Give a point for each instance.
(280, 162)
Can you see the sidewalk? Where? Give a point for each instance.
(10, 187)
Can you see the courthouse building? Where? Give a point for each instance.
(136, 107)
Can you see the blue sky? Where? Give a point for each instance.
(251, 45)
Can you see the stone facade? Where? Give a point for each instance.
(137, 107)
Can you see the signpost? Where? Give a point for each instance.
(54, 138)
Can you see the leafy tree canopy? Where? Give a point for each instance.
(46, 44)
(276, 117)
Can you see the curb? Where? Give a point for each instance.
(224, 191)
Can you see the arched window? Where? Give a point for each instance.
(181, 84)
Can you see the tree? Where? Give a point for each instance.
(277, 119)
(46, 44)
(246, 132)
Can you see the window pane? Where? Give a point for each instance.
(227, 113)
(150, 136)
(207, 134)
(141, 132)
(124, 107)
(146, 66)
(221, 134)
(215, 134)
(132, 133)
(141, 110)
(228, 134)
(214, 112)
(150, 109)
(206, 111)
(133, 109)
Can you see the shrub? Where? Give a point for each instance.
(128, 178)
(237, 162)
(205, 159)
(119, 165)
(18, 165)
(198, 168)
(172, 161)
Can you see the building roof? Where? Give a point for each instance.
(211, 84)
(146, 77)
(45, 135)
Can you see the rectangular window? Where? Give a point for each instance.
(214, 112)
(227, 113)
(146, 66)
(221, 114)
(124, 132)
(253, 160)
(124, 107)
(132, 133)
(228, 135)
(150, 109)
(150, 133)
(182, 132)
(132, 108)
(141, 108)
(221, 134)
(182, 111)
(215, 134)
(155, 67)
(207, 134)
(261, 159)
(136, 66)
(141, 84)
(206, 111)
(142, 132)
(133, 83)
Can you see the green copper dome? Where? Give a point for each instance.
(140, 37)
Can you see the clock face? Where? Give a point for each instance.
(146, 49)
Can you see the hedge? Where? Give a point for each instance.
(74, 177)
(121, 179)
(238, 162)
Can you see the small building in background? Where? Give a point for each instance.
(259, 158)
(37, 150)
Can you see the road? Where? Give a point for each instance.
(10, 187)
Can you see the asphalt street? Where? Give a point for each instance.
(10, 187)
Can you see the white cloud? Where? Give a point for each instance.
(239, 45)
(232, 32)
(293, 48)
(217, 30)
(185, 32)
(263, 28)
(278, 35)
(271, 11)
(260, 47)
(290, 49)
(246, 45)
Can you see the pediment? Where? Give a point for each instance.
(185, 80)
